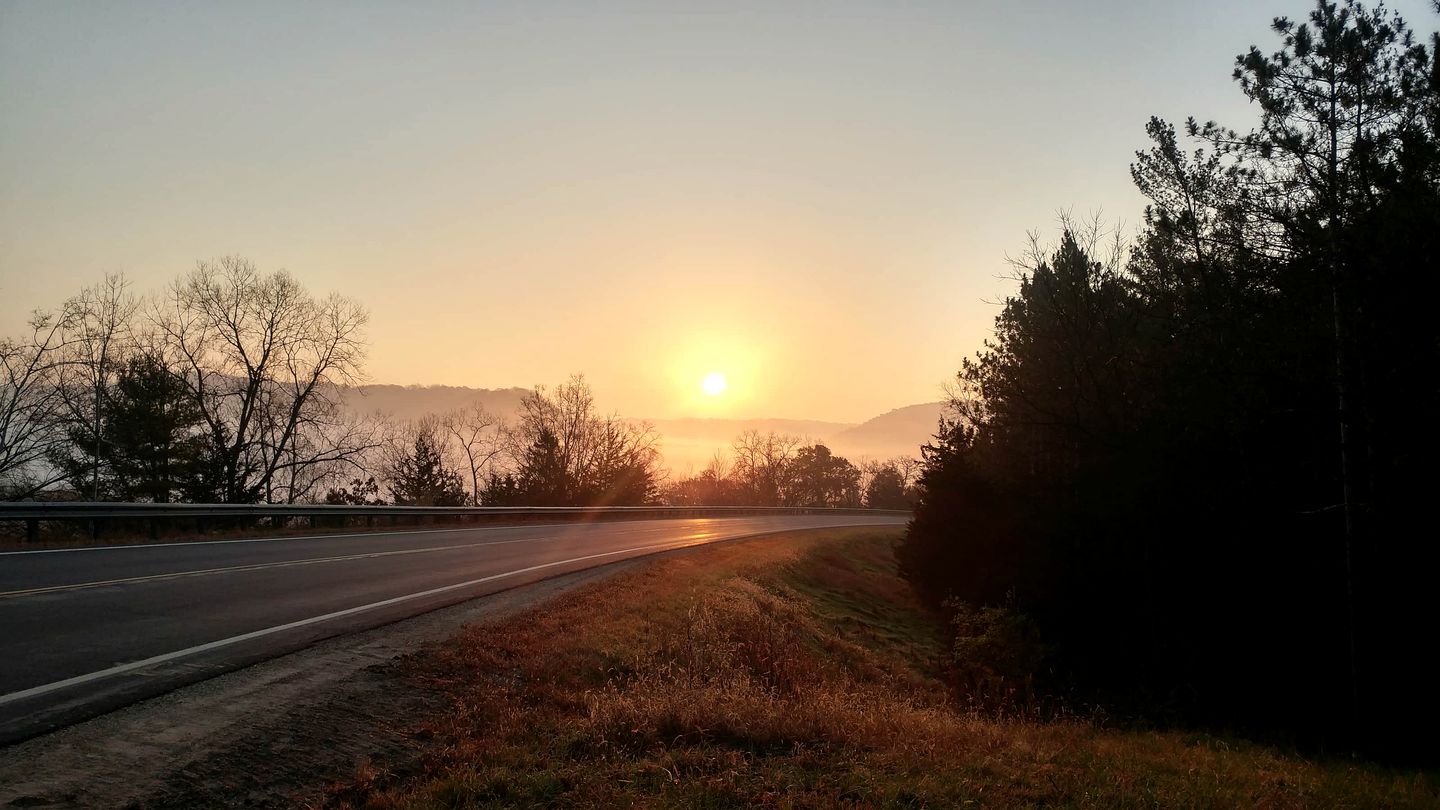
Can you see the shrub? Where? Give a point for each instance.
(997, 657)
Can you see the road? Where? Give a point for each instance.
(83, 631)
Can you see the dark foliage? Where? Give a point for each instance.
(712, 487)
(502, 490)
(150, 446)
(420, 476)
(568, 454)
(1203, 466)
(542, 479)
(821, 478)
(887, 490)
(360, 492)
(998, 657)
(773, 469)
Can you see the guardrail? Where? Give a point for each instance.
(32, 513)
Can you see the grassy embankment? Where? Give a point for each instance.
(790, 672)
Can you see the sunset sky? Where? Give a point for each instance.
(815, 200)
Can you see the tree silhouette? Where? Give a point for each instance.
(359, 492)
(565, 453)
(1205, 448)
(264, 362)
(419, 475)
(886, 489)
(817, 477)
(543, 479)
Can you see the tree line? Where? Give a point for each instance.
(229, 386)
(559, 450)
(776, 469)
(224, 387)
(1200, 462)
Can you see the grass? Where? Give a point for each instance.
(789, 672)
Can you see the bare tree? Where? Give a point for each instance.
(478, 436)
(909, 468)
(624, 464)
(266, 364)
(31, 428)
(566, 452)
(329, 444)
(890, 483)
(566, 414)
(762, 463)
(97, 323)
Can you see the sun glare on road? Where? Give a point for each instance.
(713, 384)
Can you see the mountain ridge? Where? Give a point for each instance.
(687, 443)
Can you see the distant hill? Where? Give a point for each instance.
(897, 433)
(408, 402)
(727, 429)
(915, 423)
(688, 444)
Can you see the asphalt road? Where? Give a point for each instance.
(83, 631)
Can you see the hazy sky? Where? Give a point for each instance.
(813, 199)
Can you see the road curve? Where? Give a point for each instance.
(83, 631)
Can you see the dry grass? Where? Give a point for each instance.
(790, 672)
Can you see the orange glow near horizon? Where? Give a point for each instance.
(718, 374)
(817, 206)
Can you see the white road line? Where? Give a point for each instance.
(225, 642)
(125, 546)
(364, 555)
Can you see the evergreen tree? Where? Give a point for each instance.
(419, 475)
(886, 489)
(151, 445)
(501, 490)
(543, 479)
(1196, 466)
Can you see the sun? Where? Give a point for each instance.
(713, 384)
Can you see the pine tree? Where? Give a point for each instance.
(420, 477)
(151, 445)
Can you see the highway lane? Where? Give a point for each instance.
(85, 630)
